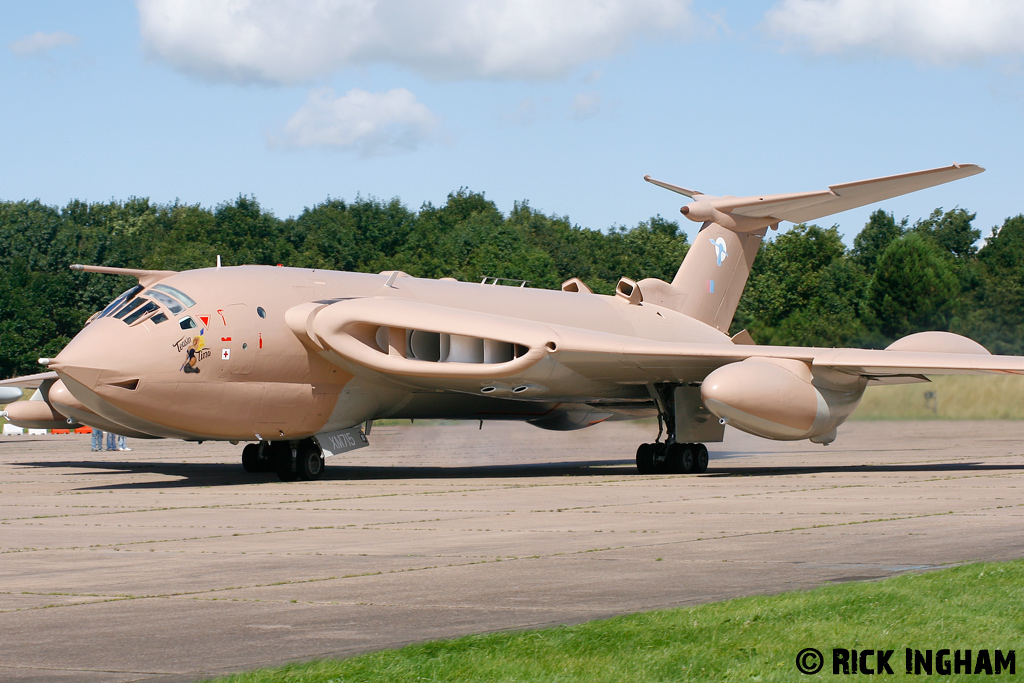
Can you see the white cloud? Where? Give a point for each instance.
(938, 31)
(289, 41)
(370, 124)
(40, 43)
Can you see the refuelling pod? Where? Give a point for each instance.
(10, 394)
(776, 399)
(37, 414)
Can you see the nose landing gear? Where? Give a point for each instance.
(291, 460)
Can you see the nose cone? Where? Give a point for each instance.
(102, 366)
(98, 354)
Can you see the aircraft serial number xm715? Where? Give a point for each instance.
(296, 361)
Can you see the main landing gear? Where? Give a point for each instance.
(682, 417)
(672, 458)
(291, 460)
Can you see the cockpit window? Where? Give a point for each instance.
(177, 293)
(124, 296)
(131, 306)
(149, 307)
(172, 304)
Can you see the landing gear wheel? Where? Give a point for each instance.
(310, 463)
(700, 458)
(680, 458)
(258, 458)
(281, 456)
(645, 458)
(284, 471)
(251, 458)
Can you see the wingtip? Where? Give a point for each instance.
(673, 188)
(973, 168)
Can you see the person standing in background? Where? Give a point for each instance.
(116, 442)
(97, 439)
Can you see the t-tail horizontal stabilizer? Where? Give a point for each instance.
(750, 214)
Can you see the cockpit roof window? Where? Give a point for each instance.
(171, 303)
(149, 307)
(124, 296)
(177, 293)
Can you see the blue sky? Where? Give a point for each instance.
(564, 103)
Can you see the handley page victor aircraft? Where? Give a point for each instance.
(294, 361)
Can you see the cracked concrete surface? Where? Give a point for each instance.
(169, 563)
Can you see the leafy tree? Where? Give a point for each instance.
(952, 231)
(880, 230)
(991, 312)
(803, 290)
(913, 287)
(362, 236)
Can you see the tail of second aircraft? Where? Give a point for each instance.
(714, 272)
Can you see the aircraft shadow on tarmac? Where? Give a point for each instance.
(225, 474)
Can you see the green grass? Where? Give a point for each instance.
(749, 639)
(958, 397)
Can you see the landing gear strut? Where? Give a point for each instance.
(291, 460)
(670, 456)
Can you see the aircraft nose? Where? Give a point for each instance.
(79, 361)
(99, 355)
(103, 368)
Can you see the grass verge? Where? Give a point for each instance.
(956, 397)
(750, 639)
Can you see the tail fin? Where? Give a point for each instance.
(714, 272)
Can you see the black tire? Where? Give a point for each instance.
(700, 458)
(645, 458)
(251, 458)
(680, 458)
(310, 461)
(285, 474)
(281, 455)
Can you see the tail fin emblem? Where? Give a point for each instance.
(721, 251)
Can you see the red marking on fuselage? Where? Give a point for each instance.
(205, 319)
(220, 312)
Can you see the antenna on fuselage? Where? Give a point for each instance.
(218, 260)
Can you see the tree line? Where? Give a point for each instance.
(806, 287)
